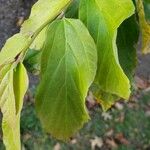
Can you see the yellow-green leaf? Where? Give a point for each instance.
(14, 83)
(20, 85)
(103, 18)
(69, 62)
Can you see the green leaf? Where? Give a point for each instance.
(69, 61)
(20, 85)
(127, 38)
(144, 26)
(103, 20)
(14, 83)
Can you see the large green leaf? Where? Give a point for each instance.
(103, 19)
(128, 34)
(13, 86)
(42, 13)
(69, 61)
(144, 26)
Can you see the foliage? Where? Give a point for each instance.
(121, 121)
(71, 59)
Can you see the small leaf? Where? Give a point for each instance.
(69, 61)
(103, 20)
(20, 85)
(144, 26)
(14, 83)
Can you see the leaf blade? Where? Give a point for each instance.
(103, 20)
(11, 106)
(63, 102)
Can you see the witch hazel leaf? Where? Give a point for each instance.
(11, 101)
(144, 26)
(103, 20)
(20, 85)
(65, 79)
(127, 38)
(8, 111)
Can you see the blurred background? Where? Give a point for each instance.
(125, 127)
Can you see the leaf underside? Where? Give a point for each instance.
(126, 40)
(103, 20)
(68, 67)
